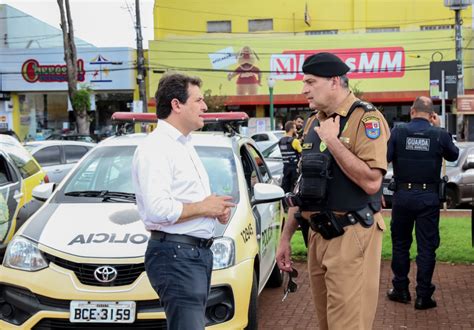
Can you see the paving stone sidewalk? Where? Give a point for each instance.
(454, 294)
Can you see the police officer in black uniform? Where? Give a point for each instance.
(290, 148)
(416, 150)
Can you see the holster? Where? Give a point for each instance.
(443, 185)
(304, 226)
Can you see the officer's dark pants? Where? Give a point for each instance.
(181, 275)
(289, 177)
(419, 209)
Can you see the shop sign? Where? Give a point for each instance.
(384, 62)
(33, 72)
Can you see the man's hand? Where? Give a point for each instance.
(283, 255)
(224, 218)
(328, 129)
(217, 206)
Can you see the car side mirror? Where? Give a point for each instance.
(469, 162)
(43, 191)
(266, 193)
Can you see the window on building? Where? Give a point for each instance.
(260, 25)
(320, 32)
(383, 29)
(436, 27)
(219, 26)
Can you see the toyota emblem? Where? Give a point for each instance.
(105, 274)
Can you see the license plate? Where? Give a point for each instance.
(102, 311)
(386, 191)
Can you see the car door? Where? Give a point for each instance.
(10, 195)
(267, 215)
(50, 160)
(466, 184)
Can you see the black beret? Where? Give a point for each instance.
(325, 65)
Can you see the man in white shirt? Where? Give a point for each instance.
(175, 203)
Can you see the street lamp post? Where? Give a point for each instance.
(271, 83)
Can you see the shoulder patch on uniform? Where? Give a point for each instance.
(372, 126)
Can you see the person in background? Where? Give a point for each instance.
(290, 148)
(299, 122)
(175, 203)
(416, 150)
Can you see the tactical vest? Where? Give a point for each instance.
(289, 155)
(417, 157)
(342, 194)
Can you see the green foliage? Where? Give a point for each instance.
(215, 103)
(81, 101)
(455, 242)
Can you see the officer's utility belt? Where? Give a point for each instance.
(432, 187)
(331, 225)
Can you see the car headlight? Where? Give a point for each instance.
(224, 252)
(24, 254)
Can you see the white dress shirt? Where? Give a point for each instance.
(166, 174)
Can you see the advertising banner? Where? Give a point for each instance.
(45, 69)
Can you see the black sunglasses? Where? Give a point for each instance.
(290, 285)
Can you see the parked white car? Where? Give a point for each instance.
(266, 139)
(57, 157)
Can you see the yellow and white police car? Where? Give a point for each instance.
(77, 263)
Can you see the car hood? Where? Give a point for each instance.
(102, 230)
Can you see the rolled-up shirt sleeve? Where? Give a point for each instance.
(154, 174)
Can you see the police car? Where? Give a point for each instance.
(78, 261)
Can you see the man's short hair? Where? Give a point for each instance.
(423, 104)
(173, 86)
(299, 117)
(289, 125)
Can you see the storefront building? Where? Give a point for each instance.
(236, 47)
(33, 84)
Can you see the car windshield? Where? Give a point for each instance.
(106, 174)
(272, 151)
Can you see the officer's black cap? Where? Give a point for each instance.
(325, 65)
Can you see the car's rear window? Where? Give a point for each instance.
(22, 159)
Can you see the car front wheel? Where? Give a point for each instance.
(252, 314)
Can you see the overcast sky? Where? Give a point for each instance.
(103, 23)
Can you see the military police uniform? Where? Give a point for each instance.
(416, 150)
(345, 240)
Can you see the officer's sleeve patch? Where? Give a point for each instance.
(372, 126)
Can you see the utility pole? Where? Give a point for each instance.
(141, 71)
(458, 38)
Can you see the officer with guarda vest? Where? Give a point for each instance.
(338, 193)
(416, 150)
(290, 148)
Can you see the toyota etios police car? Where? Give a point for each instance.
(78, 262)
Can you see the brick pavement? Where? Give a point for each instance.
(454, 294)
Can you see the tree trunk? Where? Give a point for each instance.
(83, 123)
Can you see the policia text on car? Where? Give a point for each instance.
(342, 165)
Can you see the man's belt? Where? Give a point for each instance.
(433, 187)
(185, 239)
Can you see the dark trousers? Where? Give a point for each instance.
(419, 210)
(181, 275)
(290, 175)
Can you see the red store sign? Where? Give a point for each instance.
(385, 62)
(32, 72)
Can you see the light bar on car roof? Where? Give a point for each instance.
(149, 117)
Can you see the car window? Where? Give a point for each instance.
(22, 159)
(6, 176)
(261, 166)
(74, 153)
(260, 137)
(106, 168)
(272, 152)
(48, 156)
(221, 169)
(279, 135)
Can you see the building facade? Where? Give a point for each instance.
(235, 47)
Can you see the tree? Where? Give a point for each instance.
(215, 103)
(81, 102)
(70, 57)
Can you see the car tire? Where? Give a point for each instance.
(276, 278)
(451, 198)
(252, 313)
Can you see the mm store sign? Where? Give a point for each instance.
(241, 64)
